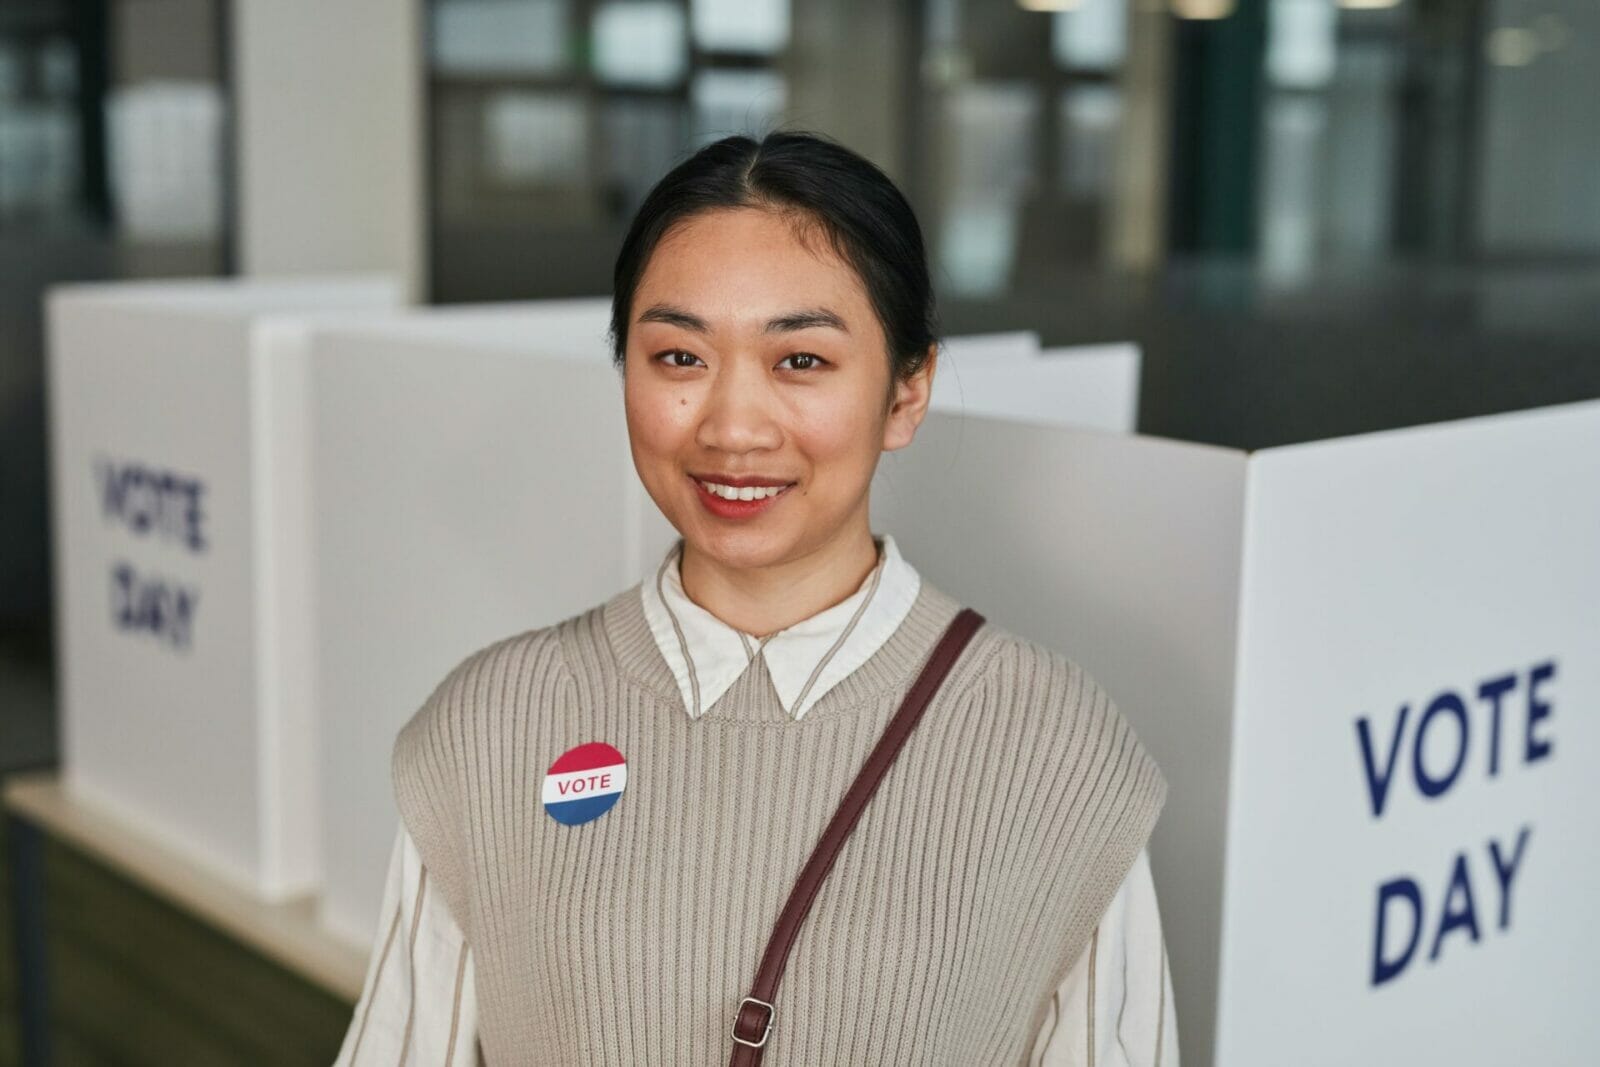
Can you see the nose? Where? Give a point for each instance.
(739, 414)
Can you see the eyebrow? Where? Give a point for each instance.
(803, 319)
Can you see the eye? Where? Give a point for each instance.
(674, 352)
(810, 361)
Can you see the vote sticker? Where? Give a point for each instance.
(584, 782)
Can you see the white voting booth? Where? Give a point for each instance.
(471, 484)
(285, 510)
(178, 461)
(1010, 376)
(1368, 667)
(456, 507)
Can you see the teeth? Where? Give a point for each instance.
(748, 492)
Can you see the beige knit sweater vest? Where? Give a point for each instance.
(970, 885)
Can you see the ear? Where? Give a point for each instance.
(910, 403)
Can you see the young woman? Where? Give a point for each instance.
(602, 819)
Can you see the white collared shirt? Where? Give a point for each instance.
(1114, 1008)
(805, 659)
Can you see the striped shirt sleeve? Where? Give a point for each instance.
(1115, 1008)
(417, 1005)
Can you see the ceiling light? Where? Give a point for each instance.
(1202, 9)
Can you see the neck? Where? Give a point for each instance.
(764, 600)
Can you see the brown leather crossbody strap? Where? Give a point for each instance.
(753, 1022)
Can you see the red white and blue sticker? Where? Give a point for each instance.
(584, 782)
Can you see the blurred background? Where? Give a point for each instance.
(1315, 218)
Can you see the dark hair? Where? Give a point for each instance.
(865, 218)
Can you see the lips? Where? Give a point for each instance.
(738, 481)
(724, 508)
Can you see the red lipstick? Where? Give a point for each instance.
(737, 509)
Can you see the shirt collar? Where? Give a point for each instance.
(804, 660)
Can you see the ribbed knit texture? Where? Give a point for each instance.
(970, 885)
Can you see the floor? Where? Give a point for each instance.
(133, 981)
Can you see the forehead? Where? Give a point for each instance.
(745, 263)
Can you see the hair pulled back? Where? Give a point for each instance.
(825, 186)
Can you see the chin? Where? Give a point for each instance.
(744, 549)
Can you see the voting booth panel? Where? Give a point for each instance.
(1122, 552)
(1363, 665)
(1104, 387)
(177, 453)
(469, 487)
(972, 355)
(1087, 386)
(991, 349)
(574, 328)
(1008, 375)
(1412, 843)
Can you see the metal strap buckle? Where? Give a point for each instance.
(740, 1014)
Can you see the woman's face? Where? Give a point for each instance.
(755, 359)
